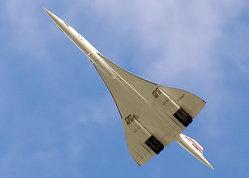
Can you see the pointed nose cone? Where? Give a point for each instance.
(50, 14)
(47, 10)
(56, 19)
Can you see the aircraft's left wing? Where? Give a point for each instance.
(128, 94)
(142, 128)
(151, 118)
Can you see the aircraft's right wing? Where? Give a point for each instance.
(141, 144)
(152, 115)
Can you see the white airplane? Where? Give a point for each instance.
(152, 115)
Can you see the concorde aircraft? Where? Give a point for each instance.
(153, 115)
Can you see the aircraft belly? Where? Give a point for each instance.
(128, 101)
(152, 115)
(158, 126)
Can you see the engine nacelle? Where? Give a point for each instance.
(172, 108)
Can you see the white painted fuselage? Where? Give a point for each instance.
(147, 109)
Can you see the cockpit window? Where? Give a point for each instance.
(66, 24)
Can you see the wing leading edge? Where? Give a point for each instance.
(152, 115)
(148, 122)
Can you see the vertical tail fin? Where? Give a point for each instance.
(193, 147)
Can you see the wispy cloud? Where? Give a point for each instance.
(179, 41)
(176, 43)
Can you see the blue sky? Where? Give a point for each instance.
(57, 118)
